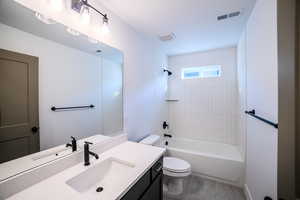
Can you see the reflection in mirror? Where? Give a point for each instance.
(112, 97)
(43, 66)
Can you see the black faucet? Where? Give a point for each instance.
(87, 154)
(73, 144)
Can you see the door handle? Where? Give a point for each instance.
(34, 129)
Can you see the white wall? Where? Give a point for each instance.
(260, 43)
(242, 92)
(207, 108)
(144, 82)
(67, 77)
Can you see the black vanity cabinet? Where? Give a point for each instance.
(150, 186)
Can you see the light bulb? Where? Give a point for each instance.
(57, 5)
(104, 29)
(44, 19)
(85, 15)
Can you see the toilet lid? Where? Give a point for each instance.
(176, 165)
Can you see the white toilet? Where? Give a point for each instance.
(175, 168)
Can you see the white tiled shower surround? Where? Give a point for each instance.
(207, 109)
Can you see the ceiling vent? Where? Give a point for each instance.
(230, 15)
(169, 37)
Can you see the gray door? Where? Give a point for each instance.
(19, 122)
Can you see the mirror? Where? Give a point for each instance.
(53, 85)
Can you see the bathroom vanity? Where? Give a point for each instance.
(126, 171)
(79, 82)
(150, 186)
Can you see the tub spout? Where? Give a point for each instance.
(168, 135)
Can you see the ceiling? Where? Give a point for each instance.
(194, 22)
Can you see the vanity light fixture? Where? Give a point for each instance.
(44, 19)
(57, 5)
(82, 7)
(73, 32)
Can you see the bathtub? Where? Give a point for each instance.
(213, 160)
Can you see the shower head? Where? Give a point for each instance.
(169, 72)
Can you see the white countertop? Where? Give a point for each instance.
(16, 166)
(55, 187)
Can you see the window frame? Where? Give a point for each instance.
(201, 70)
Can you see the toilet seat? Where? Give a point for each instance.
(176, 167)
(176, 174)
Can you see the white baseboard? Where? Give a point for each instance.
(218, 180)
(247, 192)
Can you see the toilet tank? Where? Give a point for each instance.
(150, 140)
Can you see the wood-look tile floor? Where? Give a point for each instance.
(203, 189)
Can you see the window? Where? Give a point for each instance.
(201, 72)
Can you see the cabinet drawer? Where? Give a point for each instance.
(155, 190)
(156, 169)
(139, 188)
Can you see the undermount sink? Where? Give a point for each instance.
(106, 175)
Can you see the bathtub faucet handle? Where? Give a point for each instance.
(168, 135)
(165, 125)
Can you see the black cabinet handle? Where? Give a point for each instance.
(159, 167)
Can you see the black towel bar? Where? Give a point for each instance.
(70, 108)
(252, 113)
